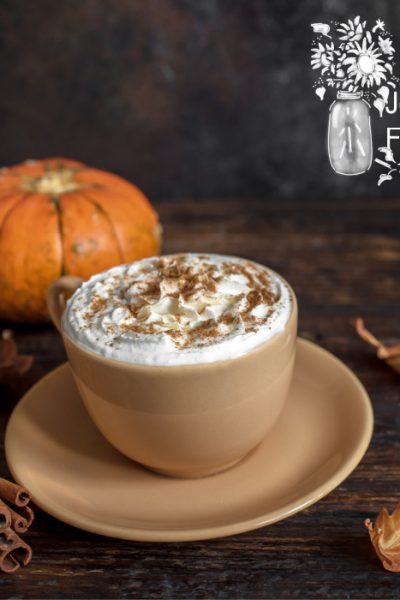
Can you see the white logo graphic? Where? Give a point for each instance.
(356, 62)
(389, 163)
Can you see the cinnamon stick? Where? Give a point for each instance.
(5, 516)
(14, 552)
(14, 493)
(21, 522)
(28, 514)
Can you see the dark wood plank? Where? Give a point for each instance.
(343, 261)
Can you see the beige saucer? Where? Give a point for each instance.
(55, 451)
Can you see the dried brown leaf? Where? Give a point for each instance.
(390, 354)
(12, 363)
(385, 538)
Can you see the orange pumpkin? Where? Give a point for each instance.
(57, 217)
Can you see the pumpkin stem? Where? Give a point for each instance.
(55, 181)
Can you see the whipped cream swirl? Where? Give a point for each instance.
(179, 309)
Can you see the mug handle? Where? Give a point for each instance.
(56, 300)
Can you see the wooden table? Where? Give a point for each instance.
(343, 260)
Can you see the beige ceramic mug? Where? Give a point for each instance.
(182, 420)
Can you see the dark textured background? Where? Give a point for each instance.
(199, 98)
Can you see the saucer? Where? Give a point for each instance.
(56, 452)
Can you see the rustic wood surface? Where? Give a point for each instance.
(343, 261)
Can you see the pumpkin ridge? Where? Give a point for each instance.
(8, 213)
(12, 193)
(143, 198)
(144, 206)
(107, 216)
(55, 202)
(155, 231)
(111, 190)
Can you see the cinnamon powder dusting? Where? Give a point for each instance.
(194, 302)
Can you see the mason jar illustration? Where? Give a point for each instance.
(349, 134)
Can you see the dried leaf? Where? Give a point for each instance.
(12, 363)
(385, 538)
(390, 354)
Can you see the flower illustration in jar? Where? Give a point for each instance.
(357, 64)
